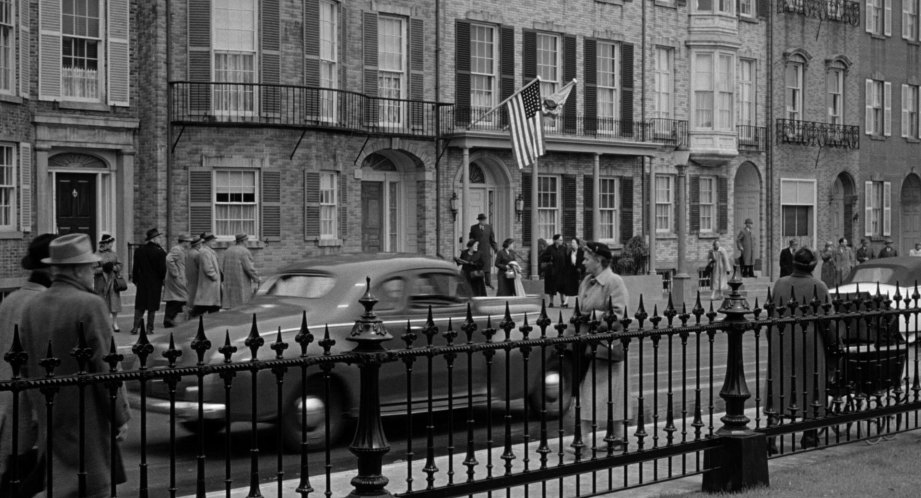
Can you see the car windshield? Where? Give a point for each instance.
(307, 286)
(874, 274)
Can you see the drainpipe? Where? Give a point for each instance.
(437, 127)
(769, 147)
(648, 222)
(169, 129)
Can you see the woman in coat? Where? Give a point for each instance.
(844, 260)
(543, 268)
(507, 263)
(573, 271)
(104, 277)
(829, 271)
(472, 265)
(719, 274)
(558, 257)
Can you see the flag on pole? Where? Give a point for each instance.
(526, 125)
(553, 105)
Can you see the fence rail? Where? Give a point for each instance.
(844, 11)
(791, 131)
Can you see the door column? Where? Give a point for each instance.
(596, 196)
(44, 188)
(124, 204)
(465, 195)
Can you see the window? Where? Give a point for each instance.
(81, 40)
(713, 90)
(663, 100)
(910, 20)
(329, 205)
(483, 50)
(797, 200)
(235, 35)
(793, 76)
(910, 114)
(548, 68)
(329, 57)
(235, 202)
(548, 204)
(665, 203)
(747, 96)
(714, 6)
(878, 209)
(391, 76)
(7, 50)
(834, 84)
(747, 8)
(879, 17)
(878, 107)
(7, 188)
(707, 204)
(608, 86)
(608, 203)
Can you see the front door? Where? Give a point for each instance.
(372, 216)
(911, 213)
(477, 203)
(75, 204)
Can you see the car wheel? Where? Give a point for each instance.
(209, 428)
(315, 429)
(557, 383)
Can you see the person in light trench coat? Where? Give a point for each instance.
(175, 286)
(191, 272)
(208, 293)
(239, 273)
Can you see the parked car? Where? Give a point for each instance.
(890, 276)
(329, 289)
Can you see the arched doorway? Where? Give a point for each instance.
(910, 221)
(747, 204)
(841, 208)
(489, 193)
(388, 208)
(83, 191)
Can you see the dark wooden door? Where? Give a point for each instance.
(372, 216)
(75, 204)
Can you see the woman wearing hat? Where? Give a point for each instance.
(104, 275)
(471, 261)
(509, 269)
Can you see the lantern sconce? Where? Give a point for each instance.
(519, 206)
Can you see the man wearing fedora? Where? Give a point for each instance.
(482, 233)
(175, 290)
(10, 316)
(85, 447)
(148, 274)
(745, 244)
(239, 273)
(208, 293)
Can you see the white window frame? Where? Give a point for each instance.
(329, 205)
(724, 7)
(664, 89)
(608, 208)
(550, 69)
(8, 199)
(834, 96)
(93, 85)
(392, 113)
(548, 206)
(747, 73)
(236, 52)
(879, 17)
(911, 114)
(8, 22)
(716, 87)
(608, 80)
(793, 95)
(484, 69)
(878, 209)
(223, 174)
(878, 109)
(747, 8)
(796, 192)
(329, 59)
(708, 200)
(665, 203)
(910, 20)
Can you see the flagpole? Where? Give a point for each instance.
(534, 235)
(499, 106)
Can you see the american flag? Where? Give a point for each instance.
(525, 122)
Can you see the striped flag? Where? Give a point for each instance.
(526, 125)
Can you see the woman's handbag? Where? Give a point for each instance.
(509, 273)
(120, 283)
(476, 274)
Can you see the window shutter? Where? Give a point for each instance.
(271, 69)
(868, 15)
(25, 187)
(887, 208)
(626, 88)
(590, 79)
(49, 50)
(271, 205)
(694, 202)
(917, 107)
(506, 67)
(569, 205)
(722, 210)
(905, 119)
(462, 71)
(25, 59)
(312, 56)
(905, 3)
(343, 205)
(200, 201)
(526, 214)
(416, 74)
(529, 59)
(200, 56)
(868, 208)
(119, 70)
(588, 203)
(868, 115)
(569, 73)
(626, 209)
(887, 108)
(369, 20)
(887, 19)
(311, 205)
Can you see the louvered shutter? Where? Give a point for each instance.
(887, 108)
(868, 15)
(416, 73)
(25, 187)
(119, 70)
(694, 202)
(199, 56)
(905, 119)
(506, 68)
(462, 72)
(270, 58)
(868, 208)
(528, 209)
(906, 35)
(569, 73)
(49, 50)
(626, 209)
(887, 19)
(200, 201)
(887, 209)
(25, 58)
(626, 88)
(343, 206)
(529, 56)
(588, 203)
(271, 205)
(311, 205)
(312, 57)
(369, 33)
(722, 210)
(868, 110)
(569, 205)
(590, 77)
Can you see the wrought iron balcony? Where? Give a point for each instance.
(752, 138)
(287, 106)
(790, 131)
(667, 131)
(845, 11)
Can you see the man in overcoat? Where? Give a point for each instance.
(175, 290)
(148, 273)
(191, 272)
(745, 244)
(73, 302)
(239, 273)
(208, 293)
(482, 233)
(786, 258)
(888, 251)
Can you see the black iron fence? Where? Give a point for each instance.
(751, 138)
(791, 131)
(667, 393)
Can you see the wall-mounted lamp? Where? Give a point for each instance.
(519, 206)
(454, 205)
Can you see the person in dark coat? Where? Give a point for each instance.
(574, 268)
(786, 259)
(558, 259)
(506, 260)
(482, 233)
(472, 266)
(543, 267)
(148, 273)
(73, 302)
(888, 251)
(745, 244)
(864, 253)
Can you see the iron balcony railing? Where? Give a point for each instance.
(791, 131)
(672, 132)
(844, 11)
(752, 138)
(228, 104)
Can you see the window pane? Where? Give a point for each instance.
(235, 202)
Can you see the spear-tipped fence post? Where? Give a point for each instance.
(370, 444)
